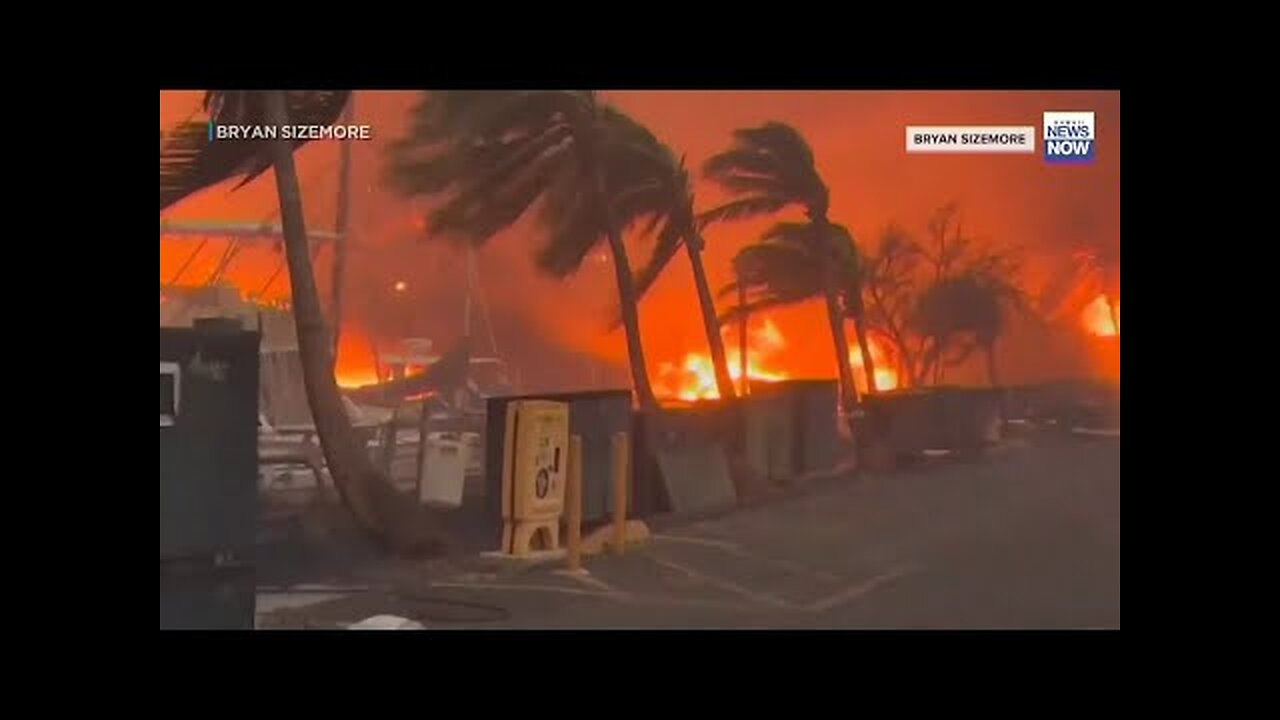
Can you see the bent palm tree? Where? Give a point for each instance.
(769, 168)
(494, 154)
(187, 164)
(661, 192)
(793, 262)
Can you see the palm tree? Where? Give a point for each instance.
(492, 155)
(190, 162)
(793, 262)
(771, 167)
(662, 193)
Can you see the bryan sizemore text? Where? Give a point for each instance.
(289, 132)
(975, 139)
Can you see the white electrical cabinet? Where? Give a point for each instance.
(443, 473)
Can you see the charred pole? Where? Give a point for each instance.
(340, 225)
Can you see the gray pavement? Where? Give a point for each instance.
(1028, 537)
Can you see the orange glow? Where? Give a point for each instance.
(351, 379)
(886, 373)
(1097, 318)
(856, 141)
(355, 366)
(695, 378)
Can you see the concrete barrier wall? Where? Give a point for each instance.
(679, 432)
(816, 445)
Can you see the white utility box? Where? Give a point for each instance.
(443, 473)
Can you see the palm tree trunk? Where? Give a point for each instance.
(848, 393)
(744, 367)
(376, 506)
(724, 383)
(1001, 405)
(631, 321)
(864, 347)
(992, 377)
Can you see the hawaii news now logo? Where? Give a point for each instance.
(1069, 137)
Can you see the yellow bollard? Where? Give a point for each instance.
(574, 500)
(620, 467)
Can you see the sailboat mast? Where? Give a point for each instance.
(466, 303)
(340, 224)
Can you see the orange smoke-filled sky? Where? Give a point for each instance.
(858, 140)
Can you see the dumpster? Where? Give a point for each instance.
(768, 434)
(815, 407)
(208, 475)
(970, 418)
(938, 418)
(905, 421)
(208, 441)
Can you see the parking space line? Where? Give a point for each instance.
(590, 581)
(760, 598)
(617, 595)
(722, 544)
(529, 588)
(857, 591)
(738, 550)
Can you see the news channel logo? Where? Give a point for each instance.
(1069, 137)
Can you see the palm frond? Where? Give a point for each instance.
(190, 162)
(739, 160)
(568, 244)
(801, 235)
(782, 271)
(772, 160)
(530, 112)
(469, 115)
(478, 214)
(668, 243)
(743, 208)
(513, 165)
(411, 172)
(778, 138)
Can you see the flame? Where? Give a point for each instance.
(1096, 318)
(351, 379)
(695, 377)
(886, 371)
(355, 365)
